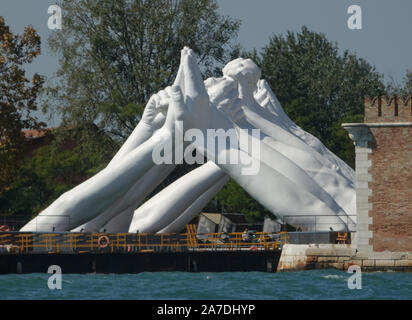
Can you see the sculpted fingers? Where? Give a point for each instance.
(150, 110)
(180, 76)
(163, 100)
(264, 97)
(260, 93)
(220, 89)
(194, 88)
(223, 93)
(177, 107)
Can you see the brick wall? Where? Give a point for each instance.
(391, 186)
(388, 109)
(383, 146)
(391, 173)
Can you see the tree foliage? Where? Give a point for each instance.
(407, 84)
(17, 96)
(62, 163)
(115, 54)
(401, 89)
(233, 198)
(319, 86)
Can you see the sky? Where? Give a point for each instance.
(384, 40)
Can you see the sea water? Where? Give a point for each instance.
(316, 284)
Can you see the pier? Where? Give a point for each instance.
(134, 253)
(22, 252)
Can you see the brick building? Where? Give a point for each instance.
(383, 146)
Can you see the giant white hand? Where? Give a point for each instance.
(294, 197)
(268, 100)
(181, 199)
(92, 197)
(153, 118)
(177, 204)
(282, 137)
(337, 179)
(223, 93)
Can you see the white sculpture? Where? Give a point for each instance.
(62, 215)
(144, 221)
(166, 206)
(297, 176)
(92, 197)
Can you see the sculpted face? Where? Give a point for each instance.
(245, 71)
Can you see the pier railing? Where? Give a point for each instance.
(316, 223)
(23, 242)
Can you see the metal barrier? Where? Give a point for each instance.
(314, 223)
(53, 223)
(20, 242)
(14, 222)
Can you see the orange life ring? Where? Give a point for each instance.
(252, 248)
(103, 241)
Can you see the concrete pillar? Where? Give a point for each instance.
(362, 137)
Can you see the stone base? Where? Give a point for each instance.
(340, 256)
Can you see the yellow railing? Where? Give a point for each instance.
(142, 242)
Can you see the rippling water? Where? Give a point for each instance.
(317, 284)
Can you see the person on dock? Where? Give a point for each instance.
(245, 235)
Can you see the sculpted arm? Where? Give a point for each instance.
(272, 188)
(90, 198)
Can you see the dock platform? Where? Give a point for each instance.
(22, 252)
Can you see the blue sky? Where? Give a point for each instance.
(384, 41)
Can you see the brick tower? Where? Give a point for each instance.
(383, 145)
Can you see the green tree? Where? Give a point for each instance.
(115, 54)
(407, 83)
(317, 85)
(233, 198)
(18, 96)
(402, 89)
(62, 163)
